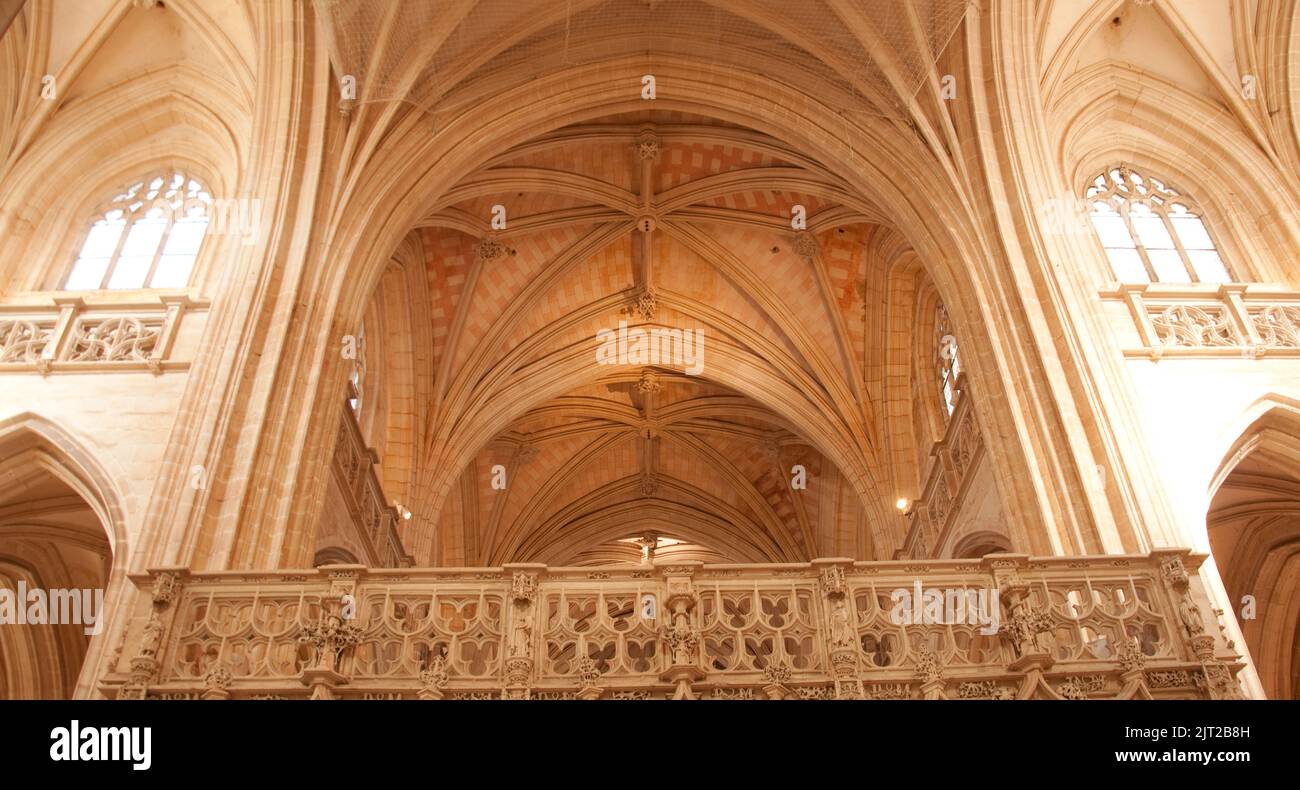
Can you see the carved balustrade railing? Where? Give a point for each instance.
(1067, 627)
(1231, 320)
(374, 518)
(955, 458)
(67, 333)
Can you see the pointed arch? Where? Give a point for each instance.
(1253, 526)
(32, 442)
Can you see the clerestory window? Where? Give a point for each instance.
(1152, 232)
(147, 236)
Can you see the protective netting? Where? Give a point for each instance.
(442, 55)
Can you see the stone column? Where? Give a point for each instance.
(333, 634)
(1220, 676)
(840, 628)
(522, 636)
(165, 588)
(681, 636)
(1027, 628)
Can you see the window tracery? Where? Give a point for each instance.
(1151, 232)
(148, 236)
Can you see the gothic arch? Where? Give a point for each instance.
(90, 150)
(1253, 524)
(978, 544)
(1106, 116)
(360, 239)
(33, 447)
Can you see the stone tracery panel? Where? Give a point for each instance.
(1058, 628)
(1226, 320)
(72, 334)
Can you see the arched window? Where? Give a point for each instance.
(148, 236)
(947, 363)
(1151, 232)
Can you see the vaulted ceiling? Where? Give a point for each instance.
(705, 457)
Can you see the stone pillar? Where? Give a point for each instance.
(165, 588)
(1220, 676)
(840, 629)
(522, 636)
(333, 634)
(1027, 628)
(681, 637)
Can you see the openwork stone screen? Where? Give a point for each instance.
(148, 236)
(1151, 232)
(1076, 628)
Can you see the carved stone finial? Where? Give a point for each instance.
(928, 667)
(776, 674)
(435, 677)
(330, 637)
(216, 683)
(587, 671)
(165, 587)
(833, 581)
(523, 586)
(1174, 572)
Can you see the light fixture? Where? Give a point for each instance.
(902, 504)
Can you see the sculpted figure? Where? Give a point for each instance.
(841, 628)
(1190, 614)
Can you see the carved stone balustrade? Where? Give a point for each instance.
(374, 519)
(70, 334)
(955, 458)
(1065, 627)
(1206, 320)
